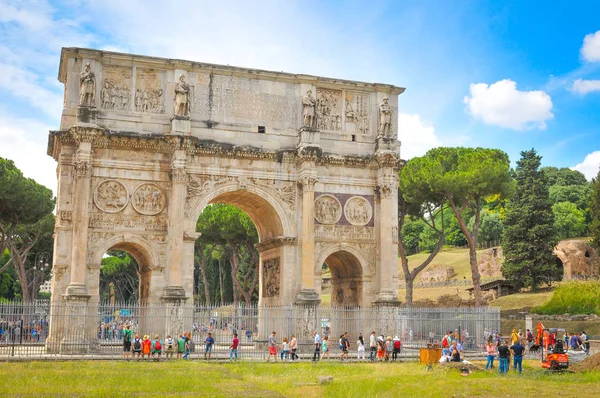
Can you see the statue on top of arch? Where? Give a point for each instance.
(182, 98)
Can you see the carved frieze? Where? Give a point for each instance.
(115, 92)
(271, 277)
(200, 185)
(64, 218)
(111, 196)
(328, 209)
(358, 210)
(329, 113)
(285, 190)
(136, 222)
(149, 91)
(148, 199)
(344, 232)
(357, 113)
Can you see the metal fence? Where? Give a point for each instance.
(95, 330)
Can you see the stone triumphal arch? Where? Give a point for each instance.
(145, 144)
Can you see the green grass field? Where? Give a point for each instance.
(244, 379)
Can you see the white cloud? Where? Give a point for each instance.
(586, 86)
(590, 165)
(501, 104)
(28, 154)
(590, 51)
(416, 137)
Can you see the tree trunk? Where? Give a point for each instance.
(472, 241)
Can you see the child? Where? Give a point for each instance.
(285, 349)
(325, 348)
(360, 351)
(146, 344)
(209, 341)
(380, 348)
(397, 346)
(137, 346)
(180, 346)
(272, 347)
(156, 348)
(234, 347)
(170, 342)
(389, 348)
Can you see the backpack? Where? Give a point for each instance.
(137, 345)
(445, 342)
(157, 345)
(529, 336)
(127, 336)
(169, 343)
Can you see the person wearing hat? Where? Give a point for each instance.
(380, 348)
(146, 346)
(397, 346)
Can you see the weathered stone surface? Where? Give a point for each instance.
(438, 273)
(490, 262)
(578, 258)
(144, 151)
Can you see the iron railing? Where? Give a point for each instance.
(68, 330)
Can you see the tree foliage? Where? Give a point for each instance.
(563, 177)
(25, 217)
(120, 269)
(569, 221)
(463, 177)
(594, 206)
(226, 248)
(529, 237)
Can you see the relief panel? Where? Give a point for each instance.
(271, 277)
(116, 91)
(357, 113)
(111, 196)
(149, 91)
(329, 113)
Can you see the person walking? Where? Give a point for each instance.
(360, 347)
(325, 348)
(490, 348)
(372, 346)
(317, 345)
(344, 346)
(272, 347)
(233, 348)
(294, 347)
(517, 351)
(285, 349)
(503, 357)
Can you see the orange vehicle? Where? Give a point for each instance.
(556, 358)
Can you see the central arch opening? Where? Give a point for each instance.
(124, 275)
(346, 279)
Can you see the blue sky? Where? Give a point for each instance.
(512, 75)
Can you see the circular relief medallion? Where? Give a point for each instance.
(111, 196)
(358, 211)
(328, 209)
(148, 199)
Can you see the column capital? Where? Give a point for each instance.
(307, 182)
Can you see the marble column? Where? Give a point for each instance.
(174, 290)
(307, 252)
(83, 176)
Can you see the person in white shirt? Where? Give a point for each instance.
(361, 347)
(293, 347)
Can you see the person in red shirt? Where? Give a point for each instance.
(234, 347)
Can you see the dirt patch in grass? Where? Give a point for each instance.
(588, 364)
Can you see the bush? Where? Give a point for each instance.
(573, 298)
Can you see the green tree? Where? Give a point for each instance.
(577, 194)
(411, 231)
(121, 269)
(528, 236)
(594, 206)
(418, 201)
(232, 230)
(25, 216)
(491, 226)
(563, 177)
(569, 221)
(464, 177)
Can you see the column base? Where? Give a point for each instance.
(76, 292)
(181, 125)
(387, 144)
(174, 294)
(387, 298)
(308, 296)
(86, 115)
